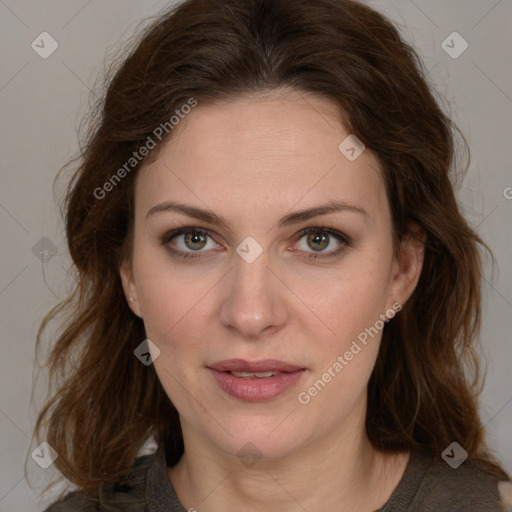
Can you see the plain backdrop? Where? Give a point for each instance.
(42, 101)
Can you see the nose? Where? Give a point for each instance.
(255, 302)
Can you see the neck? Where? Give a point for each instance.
(343, 470)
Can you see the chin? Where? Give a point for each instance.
(267, 438)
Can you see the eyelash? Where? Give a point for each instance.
(345, 241)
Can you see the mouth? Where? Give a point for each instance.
(256, 375)
(255, 381)
(254, 367)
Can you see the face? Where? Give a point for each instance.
(256, 284)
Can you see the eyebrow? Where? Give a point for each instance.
(288, 220)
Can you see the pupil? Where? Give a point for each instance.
(317, 238)
(195, 238)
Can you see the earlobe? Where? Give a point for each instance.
(408, 267)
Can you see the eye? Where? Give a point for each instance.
(188, 240)
(320, 238)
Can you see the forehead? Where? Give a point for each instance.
(261, 152)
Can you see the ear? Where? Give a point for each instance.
(406, 269)
(129, 288)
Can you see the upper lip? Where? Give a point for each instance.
(264, 365)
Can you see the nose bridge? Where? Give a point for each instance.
(253, 302)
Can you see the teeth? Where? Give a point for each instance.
(259, 375)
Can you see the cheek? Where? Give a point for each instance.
(346, 356)
(173, 308)
(171, 311)
(169, 298)
(356, 299)
(345, 360)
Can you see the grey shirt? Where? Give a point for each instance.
(427, 485)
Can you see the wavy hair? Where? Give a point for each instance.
(425, 386)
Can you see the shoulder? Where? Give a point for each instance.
(74, 501)
(128, 495)
(465, 488)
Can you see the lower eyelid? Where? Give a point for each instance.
(339, 237)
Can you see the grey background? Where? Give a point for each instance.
(43, 100)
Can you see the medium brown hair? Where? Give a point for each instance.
(420, 394)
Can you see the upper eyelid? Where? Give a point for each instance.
(339, 235)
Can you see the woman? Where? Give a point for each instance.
(275, 282)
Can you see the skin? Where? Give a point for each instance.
(252, 160)
(505, 490)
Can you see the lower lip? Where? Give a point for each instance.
(255, 389)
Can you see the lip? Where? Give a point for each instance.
(263, 365)
(255, 389)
